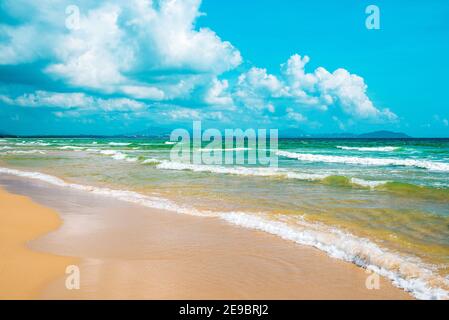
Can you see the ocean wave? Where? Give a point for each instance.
(151, 161)
(327, 178)
(119, 143)
(125, 195)
(117, 155)
(424, 164)
(242, 171)
(225, 149)
(380, 149)
(71, 148)
(408, 189)
(408, 273)
(24, 152)
(33, 143)
(170, 142)
(368, 183)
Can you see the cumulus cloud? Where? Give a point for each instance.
(297, 117)
(180, 114)
(74, 100)
(119, 46)
(124, 56)
(218, 94)
(320, 89)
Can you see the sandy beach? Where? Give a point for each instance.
(24, 272)
(126, 251)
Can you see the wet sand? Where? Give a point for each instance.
(131, 252)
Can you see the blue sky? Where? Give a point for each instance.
(300, 66)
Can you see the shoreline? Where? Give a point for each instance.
(133, 252)
(23, 271)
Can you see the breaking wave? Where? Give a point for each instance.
(119, 143)
(424, 164)
(408, 273)
(269, 172)
(379, 149)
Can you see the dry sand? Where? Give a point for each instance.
(131, 252)
(23, 272)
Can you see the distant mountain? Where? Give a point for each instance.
(150, 132)
(383, 134)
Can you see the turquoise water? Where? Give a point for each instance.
(382, 204)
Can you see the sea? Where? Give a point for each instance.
(382, 204)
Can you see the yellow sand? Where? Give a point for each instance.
(24, 272)
(141, 253)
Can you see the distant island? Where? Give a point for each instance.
(384, 135)
(5, 135)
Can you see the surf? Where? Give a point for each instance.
(366, 161)
(406, 272)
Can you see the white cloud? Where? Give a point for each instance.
(144, 92)
(186, 114)
(295, 116)
(171, 37)
(95, 55)
(18, 49)
(255, 88)
(119, 46)
(320, 90)
(76, 100)
(218, 94)
(259, 81)
(152, 50)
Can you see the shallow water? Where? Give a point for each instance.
(382, 204)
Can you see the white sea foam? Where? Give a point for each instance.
(425, 164)
(151, 161)
(24, 152)
(71, 148)
(225, 149)
(169, 142)
(130, 196)
(33, 143)
(259, 172)
(117, 155)
(405, 272)
(380, 149)
(119, 143)
(367, 183)
(242, 171)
